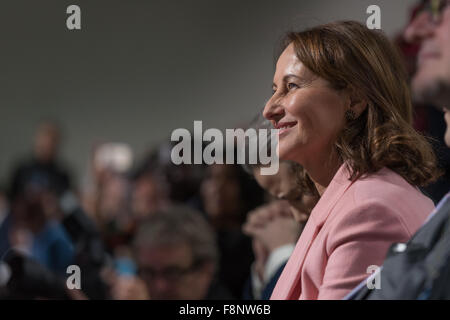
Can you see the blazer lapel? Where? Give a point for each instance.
(289, 284)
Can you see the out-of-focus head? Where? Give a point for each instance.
(149, 194)
(430, 27)
(181, 182)
(221, 191)
(46, 143)
(228, 193)
(293, 185)
(31, 210)
(176, 254)
(113, 198)
(341, 89)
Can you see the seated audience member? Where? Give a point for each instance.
(420, 268)
(43, 168)
(177, 257)
(276, 226)
(106, 193)
(150, 193)
(228, 194)
(34, 192)
(274, 233)
(428, 120)
(49, 243)
(180, 183)
(342, 104)
(5, 220)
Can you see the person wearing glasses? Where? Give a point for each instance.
(431, 29)
(342, 105)
(177, 256)
(419, 268)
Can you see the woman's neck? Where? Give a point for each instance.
(322, 171)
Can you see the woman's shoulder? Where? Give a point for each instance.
(385, 195)
(384, 185)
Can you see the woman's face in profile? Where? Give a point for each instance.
(308, 112)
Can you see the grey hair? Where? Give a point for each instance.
(176, 225)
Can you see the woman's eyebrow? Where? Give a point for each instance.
(302, 80)
(287, 77)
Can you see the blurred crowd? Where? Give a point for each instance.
(153, 230)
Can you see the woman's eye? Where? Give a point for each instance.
(291, 86)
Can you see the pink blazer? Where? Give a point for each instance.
(350, 229)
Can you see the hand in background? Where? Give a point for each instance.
(262, 215)
(129, 288)
(276, 233)
(272, 226)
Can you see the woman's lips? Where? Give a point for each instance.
(285, 127)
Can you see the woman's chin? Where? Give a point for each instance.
(283, 153)
(289, 153)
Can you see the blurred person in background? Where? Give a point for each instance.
(175, 183)
(427, 119)
(106, 197)
(43, 168)
(420, 268)
(5, 219)
(50, 229)
(34, 190)
(293, 185)
(150, 191)
(275, 227)
(35, 227)
(177, 258)
(228, 194)
(274, 233)
(148, 195)
(430, 28)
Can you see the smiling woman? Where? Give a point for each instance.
(341, 100)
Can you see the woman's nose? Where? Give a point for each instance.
(273, 110)
(420, 28)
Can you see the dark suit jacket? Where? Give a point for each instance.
(267, 290)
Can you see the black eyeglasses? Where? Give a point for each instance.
(435, 8)
(170, 274)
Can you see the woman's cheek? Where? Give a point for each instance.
(295, 105)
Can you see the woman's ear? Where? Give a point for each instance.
(358, 103)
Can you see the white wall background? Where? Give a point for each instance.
(139, 69)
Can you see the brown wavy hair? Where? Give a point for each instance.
(350, 56)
